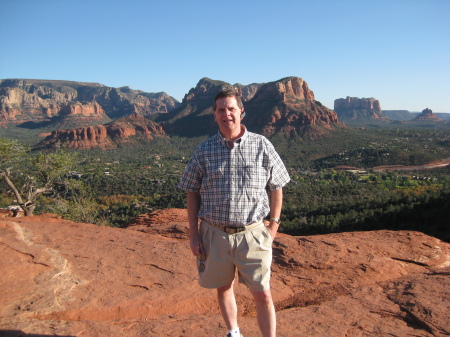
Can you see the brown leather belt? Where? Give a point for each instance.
(234, 230)
(229, 229)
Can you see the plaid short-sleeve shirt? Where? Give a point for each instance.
(232, 181)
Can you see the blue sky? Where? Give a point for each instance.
(397, 51)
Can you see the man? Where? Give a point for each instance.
(226, 180)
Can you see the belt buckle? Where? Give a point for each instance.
(230, 230)
(233, 230)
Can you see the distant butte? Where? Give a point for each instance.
(428, 115)
(358, 109)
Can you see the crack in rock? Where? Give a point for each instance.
(60, 280)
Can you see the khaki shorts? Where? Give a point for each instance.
(249, 251)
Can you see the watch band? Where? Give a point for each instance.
(277, 220)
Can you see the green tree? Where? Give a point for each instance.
(45, 173)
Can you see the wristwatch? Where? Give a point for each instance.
(277, 220)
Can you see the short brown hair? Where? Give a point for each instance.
(229, 92)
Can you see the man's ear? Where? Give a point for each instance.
(242, 113)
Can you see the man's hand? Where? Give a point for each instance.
(197, 245)
(193, 204)
(273, 229)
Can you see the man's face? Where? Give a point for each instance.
(228, 114)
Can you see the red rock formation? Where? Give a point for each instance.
(39, 100)
(357, 109)
(287, 90)
(288, 106)
(81, 138)
(428, 116)
(92, 110)
(248, 91)
(16, 105)
(357, 103)
(205, 89)
(134, 125)
(104, 136)
(66, 278)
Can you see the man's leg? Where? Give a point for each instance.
(227, 304)
(266, 312)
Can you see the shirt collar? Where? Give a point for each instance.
(225, 141)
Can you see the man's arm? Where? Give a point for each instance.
(193, 205)
(276, 202)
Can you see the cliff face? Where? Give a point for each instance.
(287, 106)
(91, 110)
(286, 89)
(38, 100)
(105, 136)
(32, 103)
(358, 109)
(248, 91)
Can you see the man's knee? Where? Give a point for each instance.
(262, 296)
(225, 288)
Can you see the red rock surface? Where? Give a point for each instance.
(91, 110)
(104, 136)
(71, 279)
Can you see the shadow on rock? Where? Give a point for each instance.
(19, 333)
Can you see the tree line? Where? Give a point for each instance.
(113, 187)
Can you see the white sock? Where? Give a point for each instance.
(235, 332)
